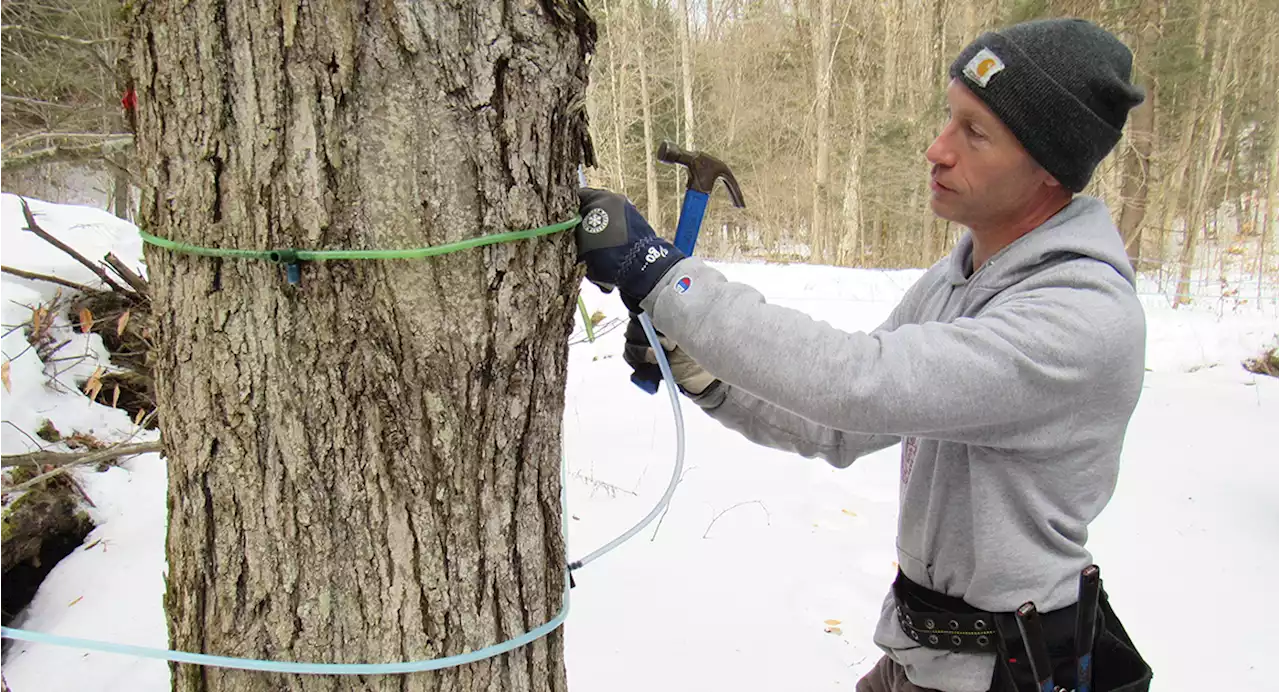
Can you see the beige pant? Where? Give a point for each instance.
(887, 676)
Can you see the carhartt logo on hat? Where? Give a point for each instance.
(983, 66)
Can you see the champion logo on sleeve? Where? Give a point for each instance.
(683, 284)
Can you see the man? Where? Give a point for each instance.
(1008, 372)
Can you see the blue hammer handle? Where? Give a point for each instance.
(691, 213)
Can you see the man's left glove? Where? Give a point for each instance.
(619, 247)
(692, 378)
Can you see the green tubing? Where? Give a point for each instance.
(291, 256)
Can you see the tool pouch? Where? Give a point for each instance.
(939, 621)
(1117, 665)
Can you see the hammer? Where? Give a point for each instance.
(704, 171)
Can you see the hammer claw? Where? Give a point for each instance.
(704, 170)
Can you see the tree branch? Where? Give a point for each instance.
(60, 459)
(137, 283)
(51, 279)
(57, 153)
(50, 136)
(95, 268)
(58, 37)
(34, 102)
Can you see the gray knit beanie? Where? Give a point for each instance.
(1061, 85)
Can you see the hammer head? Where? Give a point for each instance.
(704, 170)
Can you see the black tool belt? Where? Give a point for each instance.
(939, 621)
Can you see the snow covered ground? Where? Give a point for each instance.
(759, 548)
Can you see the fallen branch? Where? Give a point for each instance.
(137, 283)
(657, 527)
(610, 488)
(768, 519)
(44, 235)
(51, 279)
(60, 459)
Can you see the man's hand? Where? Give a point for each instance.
(690, 376)
(619, 247)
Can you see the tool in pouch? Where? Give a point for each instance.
(1037, 648)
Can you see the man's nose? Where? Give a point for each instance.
(940, 153)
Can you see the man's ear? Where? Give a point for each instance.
(1047, 178)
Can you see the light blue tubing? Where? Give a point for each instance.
(675, 471)
(297, 667)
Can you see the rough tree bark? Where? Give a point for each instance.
(364, 467)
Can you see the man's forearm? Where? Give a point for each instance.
(773, 426)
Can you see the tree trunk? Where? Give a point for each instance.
(1200, 211)
(364, 467)
(939, 64)
(852, 250)
(1139, 139)
(889, 75)
(654, 214)
(121, 196)
(823, 247)
(615, 97)
(686, 71)
(1267, 250)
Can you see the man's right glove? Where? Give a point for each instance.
(619, 247)
(691, 377)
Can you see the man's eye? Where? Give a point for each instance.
(978, 135)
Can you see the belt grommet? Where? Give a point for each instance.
(982, 640)
(979, 624)
(928, 624)
(914, 635)
(955, 639)
(933, 639)
(954, 625)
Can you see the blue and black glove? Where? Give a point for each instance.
(619, 247)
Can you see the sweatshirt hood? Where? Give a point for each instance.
(1082, 229)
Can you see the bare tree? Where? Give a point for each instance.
(63, 88)
(822, 131)
(686, 70)
(761, 82)
(652, 200)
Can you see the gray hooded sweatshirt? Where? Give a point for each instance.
(1010, 388)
